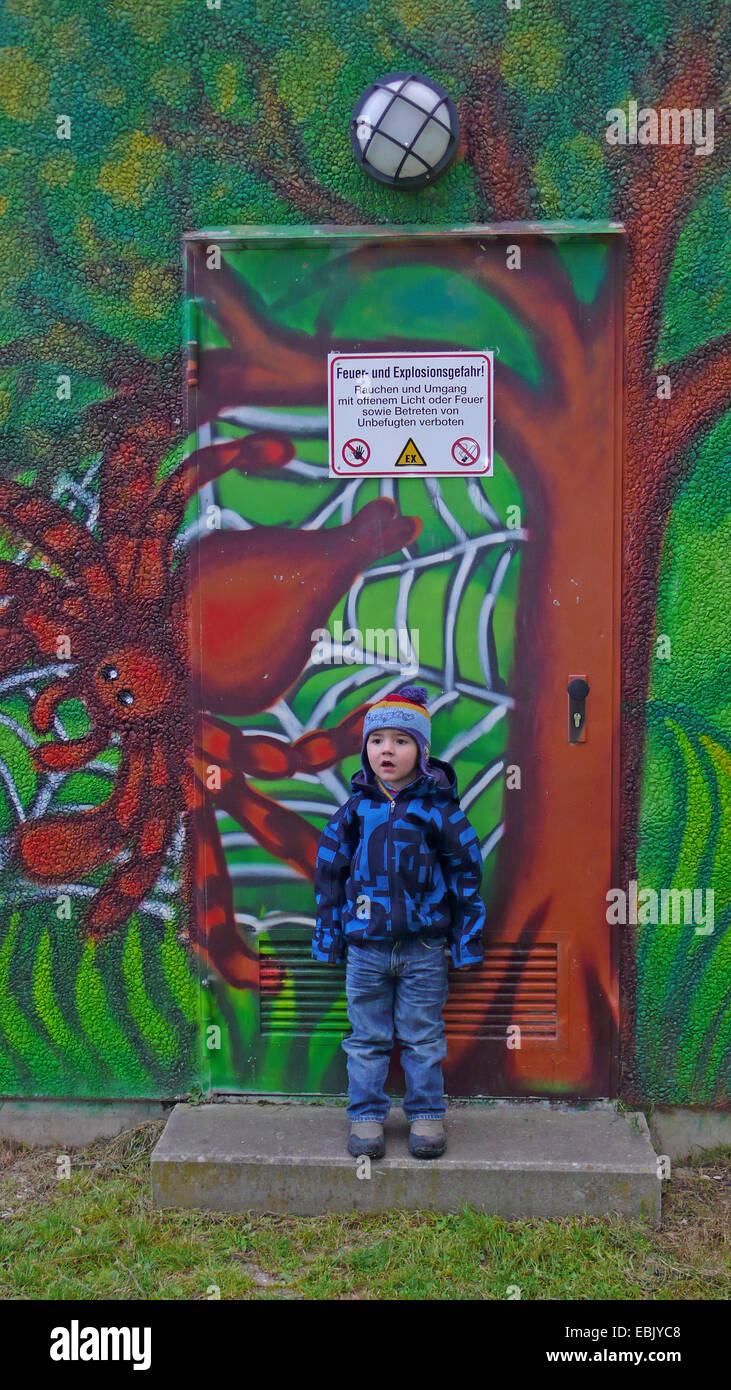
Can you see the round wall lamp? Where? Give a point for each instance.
(404, 130)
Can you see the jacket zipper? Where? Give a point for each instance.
(391, 877)
(390, 857)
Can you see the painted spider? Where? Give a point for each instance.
(121, 614)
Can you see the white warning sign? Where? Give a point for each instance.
(412, 413)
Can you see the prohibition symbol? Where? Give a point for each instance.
(465, 451)
(356, 452)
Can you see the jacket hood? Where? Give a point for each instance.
(441, 776)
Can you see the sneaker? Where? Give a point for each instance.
(366, 1137)
(427, 1138)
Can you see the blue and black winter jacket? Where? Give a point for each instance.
(388, 870)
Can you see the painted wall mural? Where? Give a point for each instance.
(125, 126)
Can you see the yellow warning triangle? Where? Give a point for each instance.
(410, 456)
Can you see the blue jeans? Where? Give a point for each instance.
(396, 990)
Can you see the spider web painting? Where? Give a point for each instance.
(467, 559)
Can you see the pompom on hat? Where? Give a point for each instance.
(405, 709)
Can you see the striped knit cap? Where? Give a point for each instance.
(405, 709)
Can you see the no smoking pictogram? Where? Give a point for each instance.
(356, 452)
(465, 451)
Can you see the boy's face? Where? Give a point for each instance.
(393, 754)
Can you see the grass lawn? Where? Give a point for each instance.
(97, 1235)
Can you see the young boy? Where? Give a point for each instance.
(397, 879)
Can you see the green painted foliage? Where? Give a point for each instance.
(110, 1020)
(683, 1004)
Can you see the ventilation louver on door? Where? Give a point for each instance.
(313, 994)
(517, 985)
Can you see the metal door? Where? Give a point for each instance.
(510, 583)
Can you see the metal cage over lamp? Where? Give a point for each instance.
(404, 130)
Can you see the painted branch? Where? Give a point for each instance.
(265, 364)
(700, 397)
(273, 357)
(253, 147)
(502, 173)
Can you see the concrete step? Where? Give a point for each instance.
(514, 1158)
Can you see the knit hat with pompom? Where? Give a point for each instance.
(405, 709)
